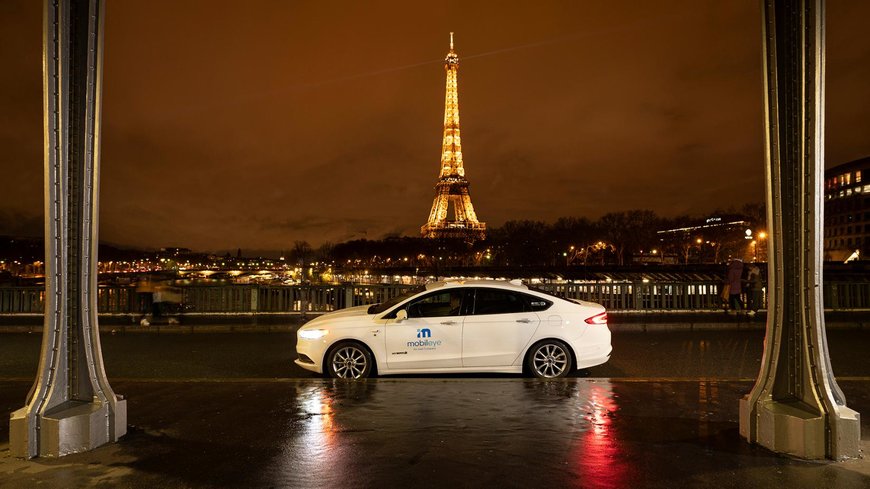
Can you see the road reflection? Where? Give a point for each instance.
(597, 456)
(312, 442)
(365, 431)
(319, 426)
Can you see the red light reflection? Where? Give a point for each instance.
(596, 456)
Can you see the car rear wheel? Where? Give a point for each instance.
(349, 360)
(549, 359)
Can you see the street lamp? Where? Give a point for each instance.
(761, 238)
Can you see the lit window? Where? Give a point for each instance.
(858, 176)
(848, 178)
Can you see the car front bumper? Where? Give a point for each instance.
(313, 350)
(308, 366)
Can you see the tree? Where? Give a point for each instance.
(301, 253)
(325, 252)
(630, 231)
(523, 243)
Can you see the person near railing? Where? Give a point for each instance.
(754, 285)
(734, 283)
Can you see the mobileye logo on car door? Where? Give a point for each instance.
(424, 344)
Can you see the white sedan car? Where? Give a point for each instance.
(458, 326)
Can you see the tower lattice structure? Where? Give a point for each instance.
(452, 186)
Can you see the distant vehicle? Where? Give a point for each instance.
(458, 326)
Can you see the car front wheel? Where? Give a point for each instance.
(349, 360)
(549, 359)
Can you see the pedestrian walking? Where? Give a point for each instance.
(734, 282)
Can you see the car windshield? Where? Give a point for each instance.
(383, 306)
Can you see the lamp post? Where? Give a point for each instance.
(762, 236)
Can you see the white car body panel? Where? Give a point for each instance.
(424, 343)
(486, 342)
(469, 343)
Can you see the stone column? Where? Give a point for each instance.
(796, 406)
(71, 407)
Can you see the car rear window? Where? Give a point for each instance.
(500, 301)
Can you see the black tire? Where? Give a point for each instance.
(348, 360)
(550, 359)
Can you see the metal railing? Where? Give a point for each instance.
(255, 299)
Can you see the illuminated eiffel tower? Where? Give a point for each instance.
(452, 187)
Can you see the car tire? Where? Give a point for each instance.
(349, 360)
(549, 359)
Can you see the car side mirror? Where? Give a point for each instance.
(401, 315)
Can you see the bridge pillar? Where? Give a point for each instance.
(796, 406)
(71, 407)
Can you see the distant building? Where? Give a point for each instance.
(847, 211)
(713, 240)
(176, 251)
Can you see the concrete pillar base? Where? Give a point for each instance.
(72, 427)
(795, 428)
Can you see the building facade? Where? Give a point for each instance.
(847, 211)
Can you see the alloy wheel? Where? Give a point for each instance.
(349, 362)
(550, 360)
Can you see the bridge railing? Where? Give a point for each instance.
(637, 296)
(248, 299)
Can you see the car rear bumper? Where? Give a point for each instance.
(592, 355)
(591, 362)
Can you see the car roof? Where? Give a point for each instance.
(502, 284)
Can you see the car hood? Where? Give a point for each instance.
(343, 314)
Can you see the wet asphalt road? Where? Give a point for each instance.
(421, 433)
(697, 354)
(230, 410)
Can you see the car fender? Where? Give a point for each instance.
(375, 342)
(535, 340)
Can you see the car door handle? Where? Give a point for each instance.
(524, 320)
(448, 322)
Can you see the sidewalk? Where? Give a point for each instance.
(432, 432)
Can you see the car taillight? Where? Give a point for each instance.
(597, 319)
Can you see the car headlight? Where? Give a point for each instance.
(313, 334)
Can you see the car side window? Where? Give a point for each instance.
(437, 304)
(498, 301)
(536, 303)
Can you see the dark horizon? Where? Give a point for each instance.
(254, 128)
